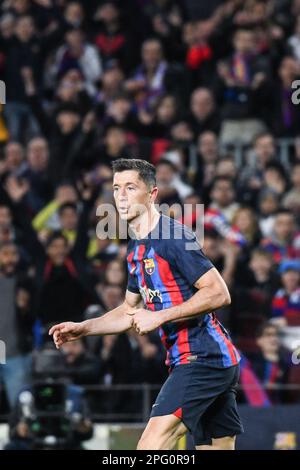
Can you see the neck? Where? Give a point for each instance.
(142, 225)
(271, 356)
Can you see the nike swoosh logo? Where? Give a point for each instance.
(132, 270)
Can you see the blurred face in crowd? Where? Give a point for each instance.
(24, 28)
(291, 280)
(20, 6)
(108, 13)
(261, 263)
(7, 26)
(208, 146)
(74, 13)
(181, 132)
(112, 79)
(115, 273)
(74, 76)
(265, 148)
(67, 90)
(244, 42)
(57, 251)
(66, 193)
(112, 296)
(74, 40)
(5, 218)
(284, 226)
(72, 350)
(245, 220)
(268, 342)
(167, 109)
(38, 154)
(296, 176)
(273, 177)
(268, 204)
(226, 168)
(132, 195)
(120, 108)
(67, 121)
(13, 155)
(288, 70)
(115, 140)
(202, 103)
(211, 248)
(9, 258)
(223, 193)
(69, 218)
(151, 54)
(165, 174)
(193, 200)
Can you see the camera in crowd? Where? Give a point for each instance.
(52, 412)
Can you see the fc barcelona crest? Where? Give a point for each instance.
(149, 265)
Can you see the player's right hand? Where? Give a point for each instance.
(67, 331)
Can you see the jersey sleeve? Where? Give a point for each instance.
(132, 282)
(132, 285)
(186, 254)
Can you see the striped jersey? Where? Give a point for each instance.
(163, 268)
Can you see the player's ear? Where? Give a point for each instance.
(153, 193)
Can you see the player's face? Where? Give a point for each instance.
(132, 195)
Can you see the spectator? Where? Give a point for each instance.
(239, 88)
(284, 115)
(147, 84)
(286, 302)
(204, 116)
(77, 53)
(60, 273)
(264, 151)
(16, 322)
(266, 369)
(81, 367)
(223, 197)
(291, 199)
(284, 240)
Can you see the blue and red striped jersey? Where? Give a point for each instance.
(163, 268)
(287, 305)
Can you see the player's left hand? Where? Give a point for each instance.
(144, 321)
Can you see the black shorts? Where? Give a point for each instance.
(204, 398)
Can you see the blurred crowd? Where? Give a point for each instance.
(180, 83)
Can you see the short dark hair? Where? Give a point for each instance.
(146, 170)
(265, 326)
(283, 211)
(262, 135)
(227, 179)
(56, 235)
(67, 205)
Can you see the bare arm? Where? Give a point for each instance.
(113, 322)
(212, 294)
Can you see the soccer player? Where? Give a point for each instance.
(174, 287)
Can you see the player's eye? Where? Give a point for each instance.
(131, 188)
